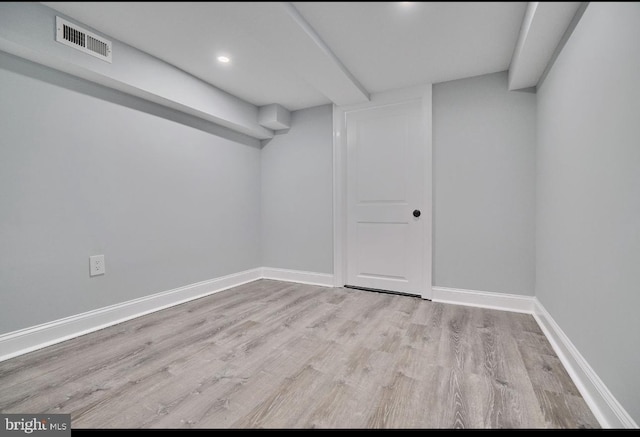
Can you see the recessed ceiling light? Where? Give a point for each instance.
(224, 59)
(406, 3)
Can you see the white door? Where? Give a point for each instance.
(386, 183)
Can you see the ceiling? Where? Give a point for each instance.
(377, 46)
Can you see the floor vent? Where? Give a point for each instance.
(377, 290)
(81, 39)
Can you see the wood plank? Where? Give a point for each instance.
(547, 372)
(565, 411)
(393, 406)
(338, 408)
(285, 403)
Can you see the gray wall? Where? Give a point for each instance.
(588, 195)
(297, 194)
(86, 170)
(484, 185)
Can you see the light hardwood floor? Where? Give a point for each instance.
(276, 354)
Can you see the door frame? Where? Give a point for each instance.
(423, 93)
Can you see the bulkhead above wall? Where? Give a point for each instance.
(28, 30)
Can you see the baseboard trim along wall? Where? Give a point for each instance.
(484, 299)
(30, 339)
(311, 278)
(603, 404)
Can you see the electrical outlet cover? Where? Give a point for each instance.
(96, 265)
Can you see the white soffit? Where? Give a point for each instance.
(28, 30)
(542, 30)
(191, 35)
(275, 56)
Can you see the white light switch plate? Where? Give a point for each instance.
(96, 265)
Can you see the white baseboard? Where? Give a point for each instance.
(322, 279)
(484, 299)
(29, 339)
(603, 404)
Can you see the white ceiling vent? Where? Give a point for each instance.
(83, 40)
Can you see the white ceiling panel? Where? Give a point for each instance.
(390, 45)
(305, 54)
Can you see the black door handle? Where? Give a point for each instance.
(416, 213)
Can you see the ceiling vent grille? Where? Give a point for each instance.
(83, 40)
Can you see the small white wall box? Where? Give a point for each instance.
(274, 117)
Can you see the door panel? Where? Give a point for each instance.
(379, 159)
(386, 170)
(387, 240)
